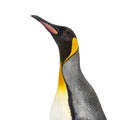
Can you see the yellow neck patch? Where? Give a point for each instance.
(61, 82)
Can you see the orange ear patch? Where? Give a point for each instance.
(74, 48)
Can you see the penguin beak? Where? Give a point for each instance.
(50, 27)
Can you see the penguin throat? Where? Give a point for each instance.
(61, 102)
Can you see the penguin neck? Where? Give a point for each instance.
(70, 67)
(62, 83)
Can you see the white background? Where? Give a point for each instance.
(29, 57)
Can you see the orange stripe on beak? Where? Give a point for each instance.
(50, 28)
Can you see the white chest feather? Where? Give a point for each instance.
(60, 109)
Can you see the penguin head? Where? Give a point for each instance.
(63, 36)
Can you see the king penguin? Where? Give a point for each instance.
(75, 98)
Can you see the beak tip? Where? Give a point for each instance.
(34, 16)
(46, 24)
(37, 18)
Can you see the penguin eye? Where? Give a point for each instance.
(66, 33)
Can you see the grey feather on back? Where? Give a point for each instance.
(83, 101)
